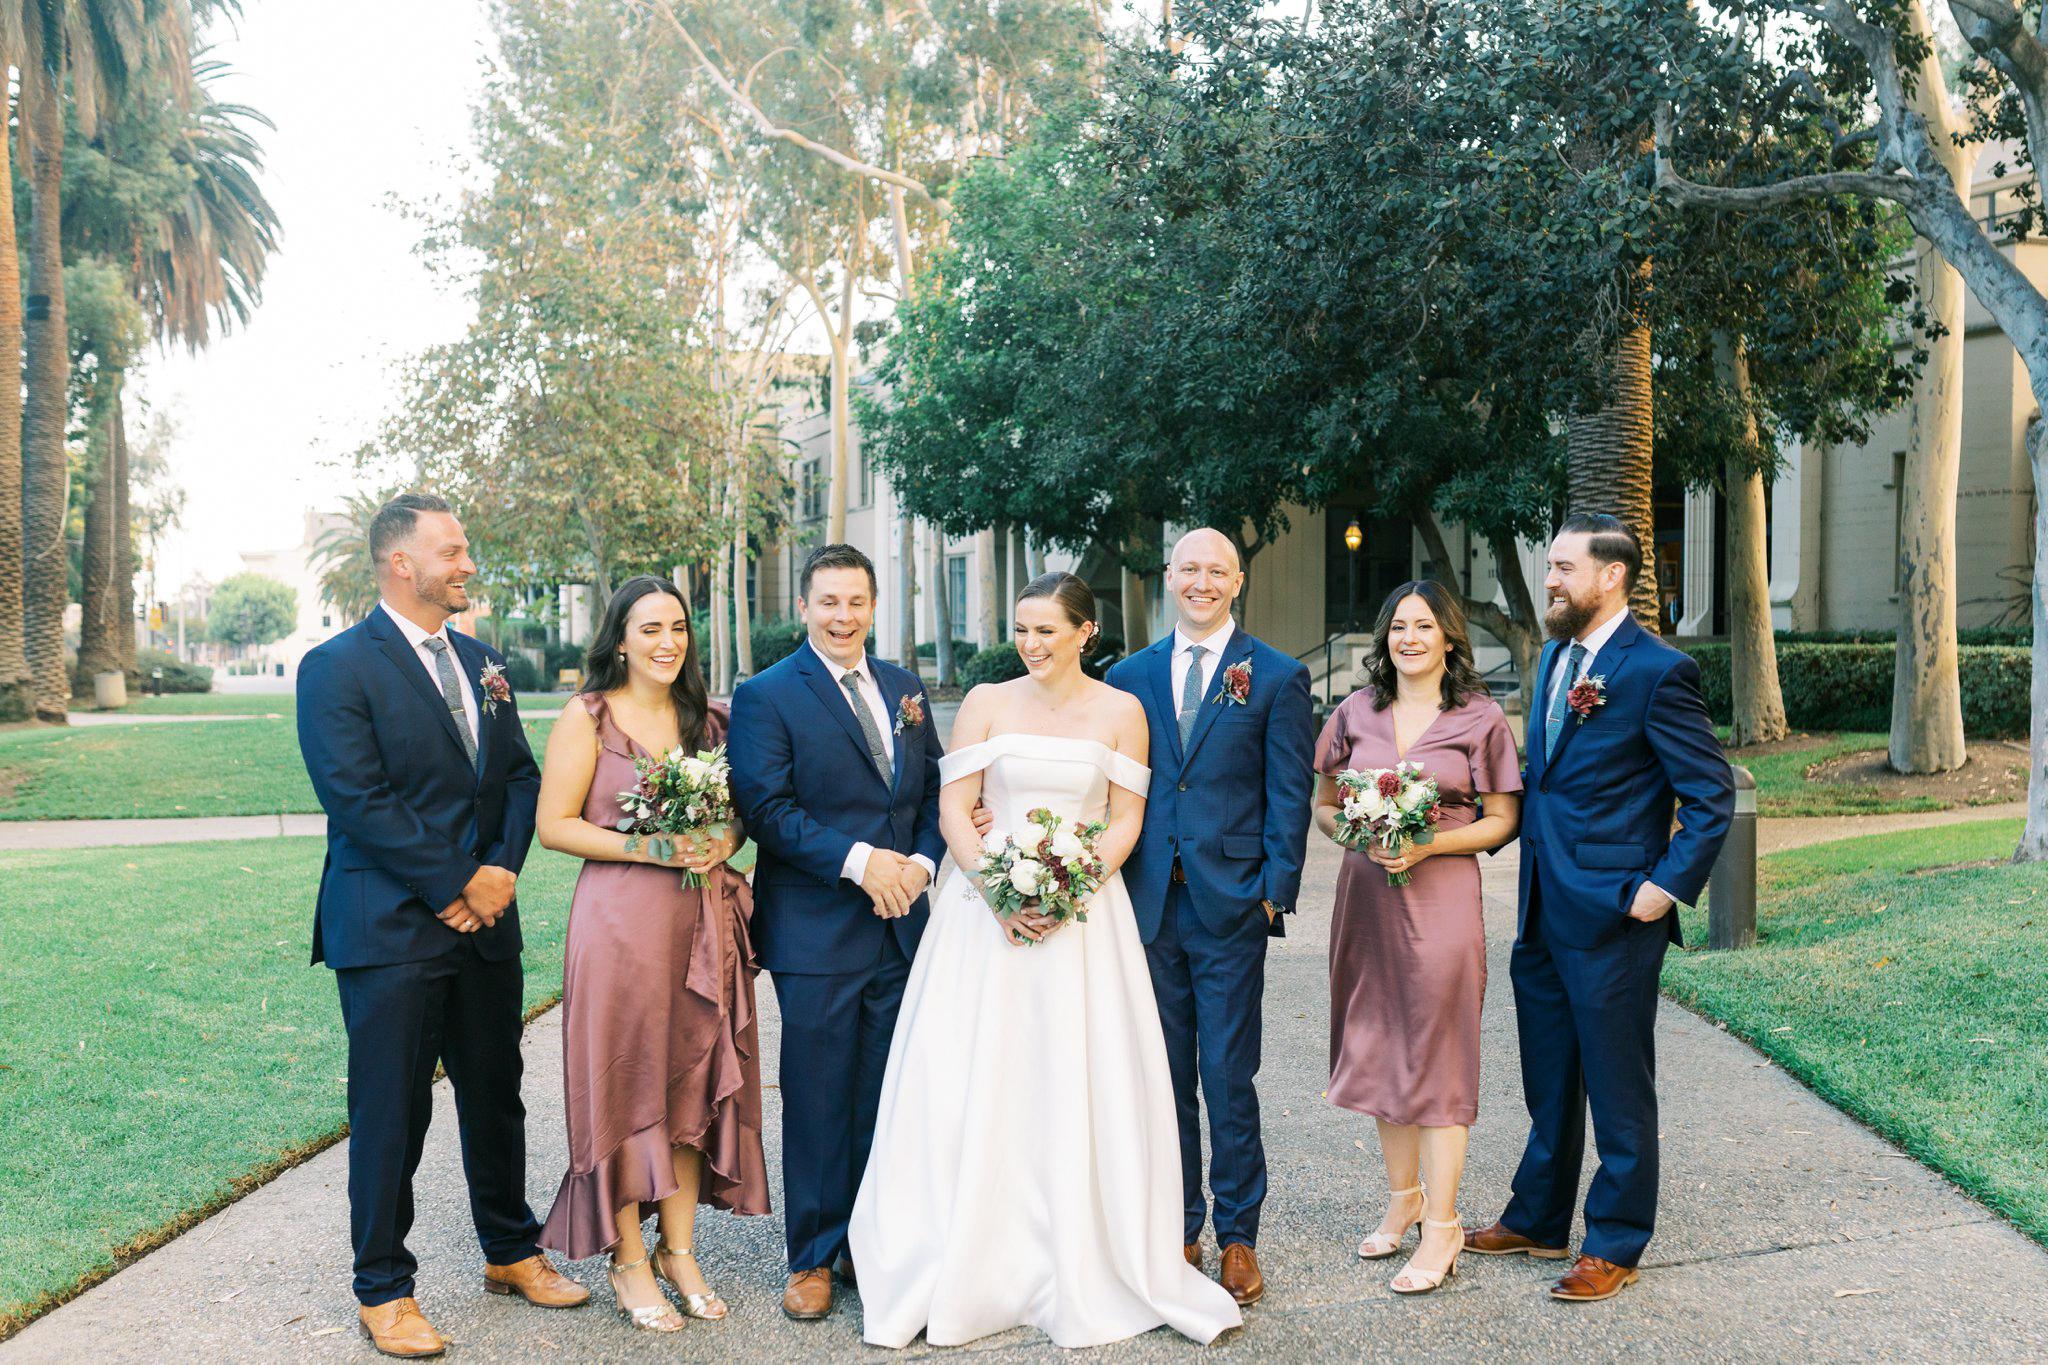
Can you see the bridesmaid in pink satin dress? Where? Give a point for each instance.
(1408, 963)
(661, 1056)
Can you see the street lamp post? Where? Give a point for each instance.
(1353, 538)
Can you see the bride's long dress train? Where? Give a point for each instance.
(1026, 1166)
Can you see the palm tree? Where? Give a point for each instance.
(348, 575)
(92, 48)
(17, 691)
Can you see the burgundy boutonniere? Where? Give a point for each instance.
(1586, 694)
(495, 688)
(1237, 685)
(909, 713)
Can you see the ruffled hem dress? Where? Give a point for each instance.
(660, 1044)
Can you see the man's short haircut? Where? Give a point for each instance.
(395, 519)
(835, 557)
(1609, 540)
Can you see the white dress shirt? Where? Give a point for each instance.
(1213, 645)
(418, 638)
(1592, 645)
(856, 865)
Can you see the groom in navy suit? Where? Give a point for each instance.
(835, 770)
(419, 760)
(1217, 865)
(1618, 733)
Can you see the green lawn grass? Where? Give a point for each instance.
(1915, 1000)
(232, 767)
(1782, 787)
(163, 1044)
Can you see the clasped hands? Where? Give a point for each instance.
(482, 902)
(893, 882)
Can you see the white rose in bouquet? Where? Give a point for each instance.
(1412, 796)
(1026, 874)
(1066, 844)
(1030, 836)
(1372, 803)
(993, 841)
(696, 770)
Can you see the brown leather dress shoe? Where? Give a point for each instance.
(536, 1280)
(1193, 1251)
(1591, 1279)
(1241, 1274)
(808, 1295)
(398, 1328)
(1497, 1239)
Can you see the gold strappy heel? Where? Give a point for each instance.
(659, 1317)
(707, 1306)
(1378, 1246)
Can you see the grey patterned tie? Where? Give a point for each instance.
(451, 692)
(1560, 702)
(1191, 694)
(851, 682)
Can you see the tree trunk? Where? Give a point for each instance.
(124, 539)
(98, 651)
(17, 689)
(1514, 625)
(46, 487)
(940, 577)
(985, 555)
(842, 379)
(1136, 601)
(1525, 637)
(1759, 707)
(906, 552)
(1035, 552)
(742, 610)
(1607, 457)
(1927, 694)
(720, 678)
(2034, 839)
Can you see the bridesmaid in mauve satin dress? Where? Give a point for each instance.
(661, 1053)
(1408, 963)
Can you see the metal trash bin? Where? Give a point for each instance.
(1731, 888)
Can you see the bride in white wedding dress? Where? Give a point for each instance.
(1026, 1167)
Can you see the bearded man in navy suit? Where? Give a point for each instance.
(413, 743)
(1618, 734)
(1217, 865)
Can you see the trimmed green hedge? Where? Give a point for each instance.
(1849, 686)
(2023, 636)
(997, 663)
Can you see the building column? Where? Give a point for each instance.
(1796, 539)
(1696, 589)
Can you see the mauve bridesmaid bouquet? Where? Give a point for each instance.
(1392, 807)
(679, 795)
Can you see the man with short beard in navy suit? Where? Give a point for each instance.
(1618, 733)
(415, 750)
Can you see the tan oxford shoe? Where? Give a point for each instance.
(536, 1280)
(808, 1295)
(1193, 1251)
(398, 1328)
(1241, 1274)
(1591, 1279)
(1497, 1239)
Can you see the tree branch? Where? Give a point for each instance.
(775, 132)
(1900, 189)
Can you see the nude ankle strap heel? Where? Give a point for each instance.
(1413, 1281)
(1378, 1246)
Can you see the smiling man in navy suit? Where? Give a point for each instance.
(835, 770)
(1217, 865)
(414, 747)
(1618, 734)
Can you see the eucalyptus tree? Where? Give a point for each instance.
(1914, 154)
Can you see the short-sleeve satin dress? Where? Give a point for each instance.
(1408, 963)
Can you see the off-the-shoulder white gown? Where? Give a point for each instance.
(1026, 1167)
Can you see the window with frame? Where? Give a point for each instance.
(813, 491)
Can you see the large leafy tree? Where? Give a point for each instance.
(252, 609)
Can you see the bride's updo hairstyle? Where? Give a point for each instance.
(1075, 598)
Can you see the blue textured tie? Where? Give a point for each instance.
(1560, 700)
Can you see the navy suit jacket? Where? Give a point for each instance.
(1596, 814)
(808, 791)
(409, 818)
(1234, 805)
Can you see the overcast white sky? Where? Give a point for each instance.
(371, 101)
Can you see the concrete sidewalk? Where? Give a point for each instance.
(24, 834)
(1788, 1233)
